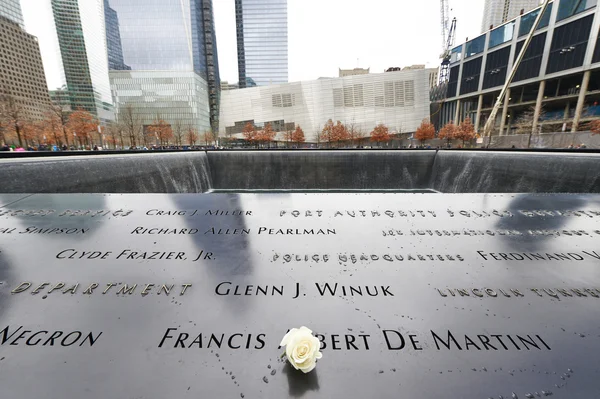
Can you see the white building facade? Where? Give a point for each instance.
(399, 100)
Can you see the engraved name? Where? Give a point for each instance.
(556, 293)
(130, 254)
(21, 336)
(228, 288)
(365, 257)
(420, 213)
(535, 256)
(93, 288)
(202, 340)
(492, 233)
(197, 212)
(66, 213)
(44, 230)
(221, 231)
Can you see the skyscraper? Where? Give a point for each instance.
(22, 80)
(496, 12)
(262, 42)
(11, 9)
(113, 39)
(171, 51)
(72, 39)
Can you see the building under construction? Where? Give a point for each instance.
(556, 87)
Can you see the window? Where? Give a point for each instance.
(502, 34)
(496, 66)
(596, 57)
(567, 8)
(532, 61)
(456, 54)
(282, 100)
(528, 20)
(470, 76)
(475, 46)
(569, 44)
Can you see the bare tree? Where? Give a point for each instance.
(192, 136)
(60, 116)
(14, 116)
(113, 131)
(131, 123)
(524, 124)
(3, 122)
(178, 133)
(355, 133)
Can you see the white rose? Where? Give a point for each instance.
(301, 349)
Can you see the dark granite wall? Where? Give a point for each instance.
(322, 170)
(194, 172)
(128, 173)
(515, 172)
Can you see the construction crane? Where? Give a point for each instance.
(448, 37)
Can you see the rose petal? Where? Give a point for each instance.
(306, 330)
(308, 370)
(286, 337)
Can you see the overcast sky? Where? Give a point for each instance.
(323, 35)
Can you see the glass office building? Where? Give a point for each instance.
(11, 9)
(72, 41)
(113, 39)
(170, 48)
(262, 40)
(82, 45)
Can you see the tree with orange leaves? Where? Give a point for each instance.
(595, 126)
(161, 130)
(33, 133)
(380, 134)
(425, 132)
(448, 132)
(266, 135)
(339, 133)
(327, 132)
(465, 131)
(298, 135)
(83, 125)
(53, 127)
(249, 132)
